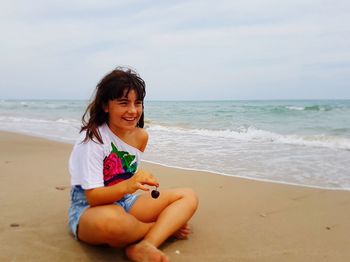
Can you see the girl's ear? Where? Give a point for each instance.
(105, 108)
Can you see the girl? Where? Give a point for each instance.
(105, 176)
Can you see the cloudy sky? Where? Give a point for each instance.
(184, 50)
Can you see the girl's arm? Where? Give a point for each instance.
(143, 138)
(108, 195)
(105, 195)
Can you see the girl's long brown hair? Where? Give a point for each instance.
(113, 86)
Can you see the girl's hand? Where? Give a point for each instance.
(139, 180)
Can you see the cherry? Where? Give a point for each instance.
(155, 193)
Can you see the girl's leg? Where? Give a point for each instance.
(110, 224)
(170, 212)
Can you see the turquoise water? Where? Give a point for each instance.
(283, 117)
(297, 142)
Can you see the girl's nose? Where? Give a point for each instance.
(132, 108)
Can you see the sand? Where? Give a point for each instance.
(237, 220)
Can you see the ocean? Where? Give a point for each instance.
(302, 142)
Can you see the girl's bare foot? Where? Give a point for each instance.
(145, 252)
(183, 232)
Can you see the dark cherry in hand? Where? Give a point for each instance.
(155, 193)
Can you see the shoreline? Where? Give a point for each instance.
(248, 178)
(237, 220)
(190, 169)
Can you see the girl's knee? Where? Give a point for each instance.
(191, 197)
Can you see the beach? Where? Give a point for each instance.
(237, 220)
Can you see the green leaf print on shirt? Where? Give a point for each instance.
(126, 159)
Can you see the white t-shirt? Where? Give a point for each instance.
(92, 164)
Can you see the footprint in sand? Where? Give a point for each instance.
(61, 187)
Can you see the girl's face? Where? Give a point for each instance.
(124, 112)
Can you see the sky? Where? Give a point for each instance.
(184, 50)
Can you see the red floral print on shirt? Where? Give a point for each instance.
(118, 166)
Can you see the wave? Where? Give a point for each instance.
(69, 121)
(251, 134)
(27, 120)
(309, 108)
(43, 104)
(244, 133)
(62, 129)
(298, 108)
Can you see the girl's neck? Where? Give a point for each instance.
(121, 133)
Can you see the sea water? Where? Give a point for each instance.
(303, 142)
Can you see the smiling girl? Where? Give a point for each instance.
(105, 175)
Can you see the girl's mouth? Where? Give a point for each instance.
(129, 118)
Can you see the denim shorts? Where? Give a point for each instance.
(79, 204)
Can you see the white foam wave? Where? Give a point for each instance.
(69, 121)
(310, 108)
(298, 108)
(256, 135)
(62, 129)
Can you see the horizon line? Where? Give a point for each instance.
(183, 100)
